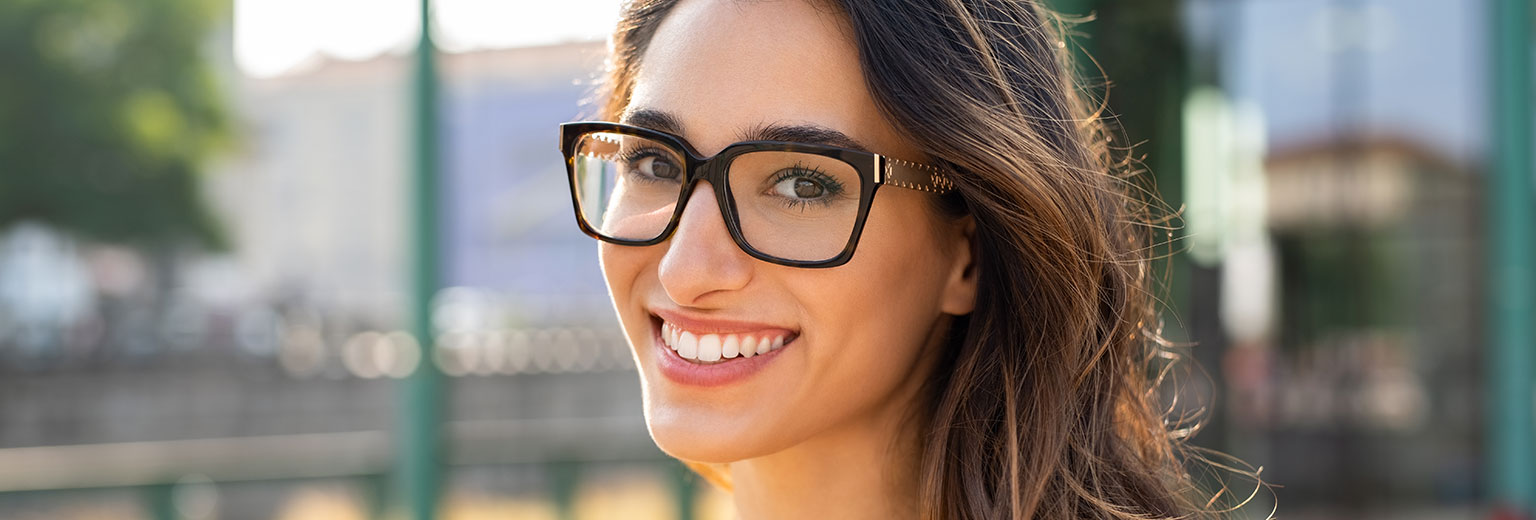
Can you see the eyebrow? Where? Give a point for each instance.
(652, 119)
(807, 134)
(797, 133)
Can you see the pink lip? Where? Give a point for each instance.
(686, 372)
(712, 326)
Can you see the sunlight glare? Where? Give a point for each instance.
(274, 36)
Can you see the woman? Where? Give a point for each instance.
(873, 263)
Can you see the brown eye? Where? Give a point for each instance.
(800, 188)
(806, 189)
(654, 166)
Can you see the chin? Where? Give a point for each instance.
(694, 443)
(696, 437)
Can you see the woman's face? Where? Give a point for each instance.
(855, 338)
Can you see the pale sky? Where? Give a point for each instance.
(272, 36)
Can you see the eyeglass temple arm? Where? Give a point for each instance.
(914, 176)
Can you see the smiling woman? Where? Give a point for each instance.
(873, 263)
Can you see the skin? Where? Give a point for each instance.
(825, 430)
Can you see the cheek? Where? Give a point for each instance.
(621, 265)
(899, 269)
(876, 313)
(885, 308)
(623, 268)
(616, 269)
(872, 334)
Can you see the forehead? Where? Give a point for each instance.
(723, 67)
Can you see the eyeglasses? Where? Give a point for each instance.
(794, 204)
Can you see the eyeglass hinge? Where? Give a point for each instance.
(880, 167)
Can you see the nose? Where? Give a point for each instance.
(701, 260)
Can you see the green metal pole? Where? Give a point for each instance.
(1512, 421)
(418, 464)
(375, 490)
(564, 477)
(161, 501)
(685, 489)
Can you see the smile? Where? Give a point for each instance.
(719, 348)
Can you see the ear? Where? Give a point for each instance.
(959, 297)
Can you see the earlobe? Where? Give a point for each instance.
(960, 288)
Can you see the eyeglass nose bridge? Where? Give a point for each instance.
(714, 170)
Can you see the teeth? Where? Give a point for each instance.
(688, 345)
(715, 348)
(709, 347)
(731, 348)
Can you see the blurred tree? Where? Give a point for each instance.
(108, 110)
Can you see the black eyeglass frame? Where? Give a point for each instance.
(874, 170)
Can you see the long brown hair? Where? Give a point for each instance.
(1042, 406)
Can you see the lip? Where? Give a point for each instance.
(685, 372)
(698, 325)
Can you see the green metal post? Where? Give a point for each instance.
(375, 491)
(564, 477)
(1511, 420)
(160, 500)
(685, 488)
(418, 463)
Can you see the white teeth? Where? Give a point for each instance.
(709, 348)
(713, 348)
(688, 345)
(731, 348)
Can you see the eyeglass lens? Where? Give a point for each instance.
(791, 205)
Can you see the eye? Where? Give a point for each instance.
(654, 165)
(799, 186)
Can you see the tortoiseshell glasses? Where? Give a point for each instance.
(794, 204)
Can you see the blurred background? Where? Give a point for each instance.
(225, 223)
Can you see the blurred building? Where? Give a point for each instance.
(1378, 346)
(1361, 390)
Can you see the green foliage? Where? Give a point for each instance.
(108, 110)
